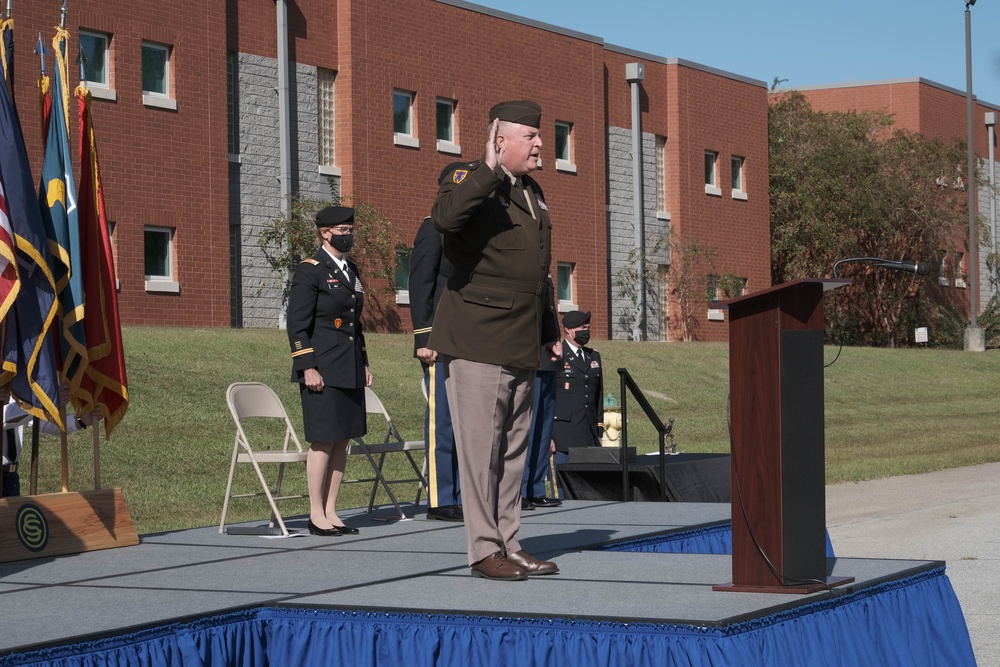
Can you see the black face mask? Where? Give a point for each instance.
(581, 338)
(342, 242)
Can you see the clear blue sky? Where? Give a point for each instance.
(805, 41)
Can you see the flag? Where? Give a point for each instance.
(28, 358)
(57, 197)
(7, 53)
(105, 376)
(9, 282)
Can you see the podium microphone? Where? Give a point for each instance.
(921, 269)
(918, 268)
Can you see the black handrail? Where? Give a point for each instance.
(664, 430)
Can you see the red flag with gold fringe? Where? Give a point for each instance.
(105, 375)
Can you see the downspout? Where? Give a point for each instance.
(284, 126)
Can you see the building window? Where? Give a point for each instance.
(158, 249)
(402, 119)
(739, 190)
(564, 147)
(156, 75)
(960, 270)
(720, 288)
(233, 106)
(324, 91)
(96, 62)
(661, 178)
(944, 272)
(446, 141)
(403, 274)
(711, 174)
(564, 287)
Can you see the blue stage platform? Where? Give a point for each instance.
(401, 594)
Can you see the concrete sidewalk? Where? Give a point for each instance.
(950, 515)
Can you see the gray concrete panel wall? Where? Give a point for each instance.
(623, 251)
(255, 192)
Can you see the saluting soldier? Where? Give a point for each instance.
(489, 326)
(329, 361)
(579, 414)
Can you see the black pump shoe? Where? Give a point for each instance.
(347, 530)
(324, 532)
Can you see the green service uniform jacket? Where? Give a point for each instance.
(324, 323)
(493, 308)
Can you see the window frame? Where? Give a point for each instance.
(154, 98)
(712, 173)
(406, 139)
(155, 282)
(449, 145)
(661, 178)
(737, 168)
(101, 90)
(565, 286)
(402, 270)
(326, 137)
(565, 162)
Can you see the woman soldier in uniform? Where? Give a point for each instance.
(329, 362)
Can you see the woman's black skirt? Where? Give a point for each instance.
(333, 414)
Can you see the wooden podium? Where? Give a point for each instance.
(777, 437)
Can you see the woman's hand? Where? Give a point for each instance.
(313, 380)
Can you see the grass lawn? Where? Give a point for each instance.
(888, 412)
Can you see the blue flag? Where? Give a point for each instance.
(57, 198)
(28, 357)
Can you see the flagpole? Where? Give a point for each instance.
(96, 426)
(62, 16)
(64, 449)
(33, 485)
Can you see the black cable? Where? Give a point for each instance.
(739, 492)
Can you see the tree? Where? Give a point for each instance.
(851, 185)
(289, 239)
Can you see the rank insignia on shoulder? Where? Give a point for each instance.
(310, 261)
(459, 175)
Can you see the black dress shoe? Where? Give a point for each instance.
(527, 505)
(323, 532)
(545, 502)
(446, 513)
(347, 530)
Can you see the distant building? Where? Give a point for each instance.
(937, 112)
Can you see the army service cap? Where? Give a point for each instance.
(524, 112)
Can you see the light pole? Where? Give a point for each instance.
(975, 337)
(991, 122)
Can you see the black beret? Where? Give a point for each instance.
(524, 112)
(331, 216)
(575, 318)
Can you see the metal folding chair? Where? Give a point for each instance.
(254, 399)
(391, 442)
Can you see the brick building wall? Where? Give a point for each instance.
(209, 169)
(161, 167)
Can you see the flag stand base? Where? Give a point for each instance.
(55, 524)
